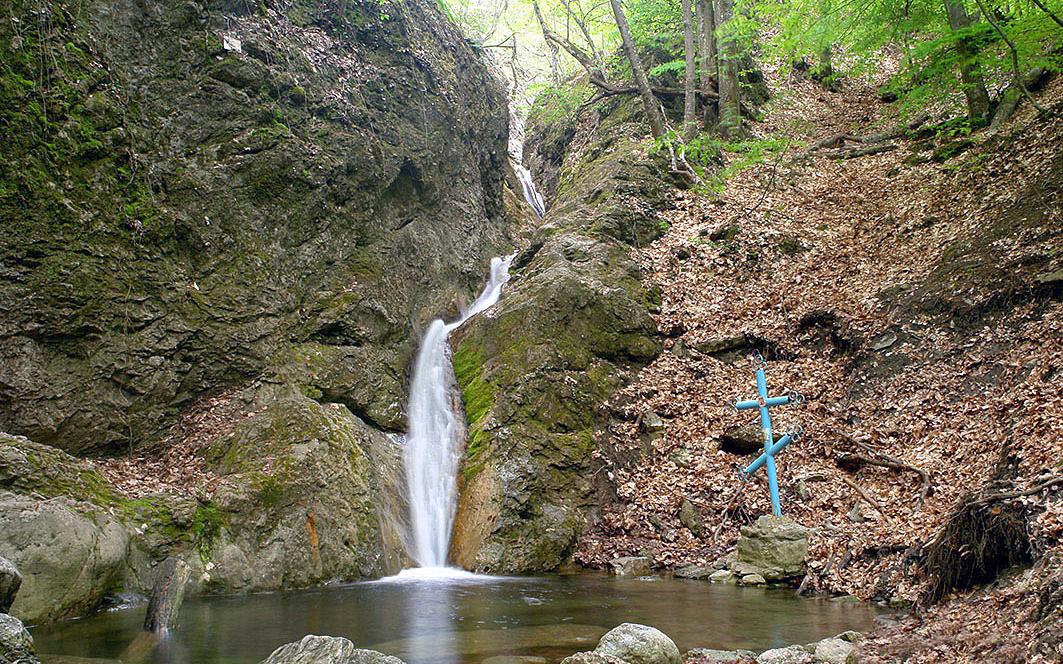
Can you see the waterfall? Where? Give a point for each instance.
(436, 433)
(524, 176)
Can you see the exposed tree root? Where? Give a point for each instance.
(988, 532)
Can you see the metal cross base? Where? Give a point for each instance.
(771, 446)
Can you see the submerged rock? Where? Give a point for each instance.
(327, 650)
(695, 572)
(631, 566)
(16, 644)
(773, 547)
(639, 644)
(10, 581)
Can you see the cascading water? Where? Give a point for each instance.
(436, 431)
(516, 155)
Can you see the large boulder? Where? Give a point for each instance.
(302, 500)
(327, 650)
(787, 655)
(631, 566)
(225, 190)
(16, 644)
(639, 644)
(573, 325)
(10, 581)
(58, 527)
(835, 651)
(773, 547)
(70, 554)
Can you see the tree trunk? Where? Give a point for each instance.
(730, 104)
(690, 123)
(709, 62)
(973, 84)
(826, 64)
(166, 595)
(653, 113)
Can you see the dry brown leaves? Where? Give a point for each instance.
(939, 398)
(174, 465)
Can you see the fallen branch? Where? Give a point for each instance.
(866, 496)
(1037, 488)
(861, 152)
(853, 462)
(840, 140)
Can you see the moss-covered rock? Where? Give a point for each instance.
(70, 554)
(302, 499)
(574, 320)
(181, 215)
(309, 494)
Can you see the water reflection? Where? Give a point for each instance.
(466, 620)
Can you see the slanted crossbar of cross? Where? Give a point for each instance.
(771, 446)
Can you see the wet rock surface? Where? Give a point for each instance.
(535, 371)
(301, 500)
(192, 214)
(327, 650)
(16, 644)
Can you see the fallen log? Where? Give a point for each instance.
(837, 155)
(167, 594)
(873, 457)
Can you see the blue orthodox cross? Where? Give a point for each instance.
(771, 446)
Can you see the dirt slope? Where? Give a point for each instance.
(915, 300)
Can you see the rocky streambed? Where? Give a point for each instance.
(629, 643)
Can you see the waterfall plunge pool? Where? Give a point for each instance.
(447, 620)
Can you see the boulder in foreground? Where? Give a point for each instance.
(16, 644)
(327, 650)
(631, 643)
(773, 547)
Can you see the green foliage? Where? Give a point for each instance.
(554, 103)
(715, 160)
(671, 67)
(931, 52)
(656, 24)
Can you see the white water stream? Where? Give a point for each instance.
(436, 433)
(436, 436)
(524, 176)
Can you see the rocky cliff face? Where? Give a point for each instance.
(266, 200)
(201, 193)
(536, 369)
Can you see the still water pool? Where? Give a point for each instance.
(466, 620)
